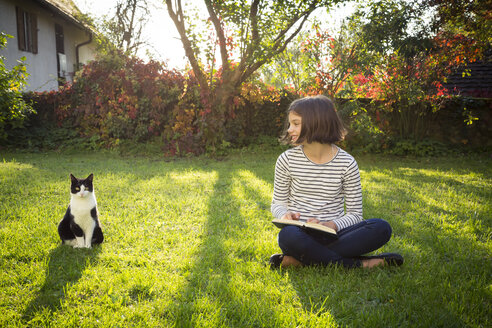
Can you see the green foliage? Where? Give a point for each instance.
(118, 101)
(425, 148)
(257, 110)
(112, 100)
(372, 129)
(13, 108)
(42, 130)
(386, 52)
(316, 62)
(184, 129)
(392, 26)
(187, 243)
(400, 72)
(259, 113)
(366, 133)
(334, 59)
(470, 18)
(35, 137)
(407, 66)
(291, 67)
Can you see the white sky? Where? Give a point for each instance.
(161, 32)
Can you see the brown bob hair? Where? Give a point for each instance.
(320, 121)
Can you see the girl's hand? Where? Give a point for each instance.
(330, 224)
(291, 216)
(312, 220)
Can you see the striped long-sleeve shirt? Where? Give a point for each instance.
(318, 190)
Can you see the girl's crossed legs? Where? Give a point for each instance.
(352, 242)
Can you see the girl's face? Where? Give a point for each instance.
(294, 130)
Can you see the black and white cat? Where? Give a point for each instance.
(80, 227)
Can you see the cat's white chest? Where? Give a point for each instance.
(81, 208)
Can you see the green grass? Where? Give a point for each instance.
(187, 242)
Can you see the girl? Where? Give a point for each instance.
(313, 182)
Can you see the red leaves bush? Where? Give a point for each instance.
(118, 98)
(124, 98)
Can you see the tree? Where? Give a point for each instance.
(393, 25)
(470, 18)
(334, 59)
(253, 32)
(289, 67)
(388, 52)
(124, 29)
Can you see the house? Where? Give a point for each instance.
(49, 35)
(473, 80)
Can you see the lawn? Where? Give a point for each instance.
(188, 240)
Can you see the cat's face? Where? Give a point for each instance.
(81, 187)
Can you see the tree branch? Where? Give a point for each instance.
(278, 47)
(279, 38)
(253, 18)
(253, 14)
(178, 19)
(220, 34)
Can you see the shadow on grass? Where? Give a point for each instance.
(211, 296)
(422, 207)
(65, 268)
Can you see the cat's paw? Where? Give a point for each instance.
(78, 246)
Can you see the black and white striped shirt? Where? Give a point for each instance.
(318, 190)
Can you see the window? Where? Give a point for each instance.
(27, 31)
(61, 59)
(59, 38)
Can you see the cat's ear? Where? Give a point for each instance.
(90, 177)
(72, 177)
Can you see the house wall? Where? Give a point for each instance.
(42, 67)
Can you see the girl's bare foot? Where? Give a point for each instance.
(371, 263)
(288, 261)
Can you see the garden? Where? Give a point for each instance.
(184, 161)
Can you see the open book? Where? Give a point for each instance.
(316, 229)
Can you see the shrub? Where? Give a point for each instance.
(118, 101)
(183, 132)
(13, 108)
(121, 98)
(260, 110)
(418, 148)
(367, 128)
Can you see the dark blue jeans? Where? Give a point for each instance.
(353, 241)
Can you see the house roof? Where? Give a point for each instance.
(473, 80)
(67, 9)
